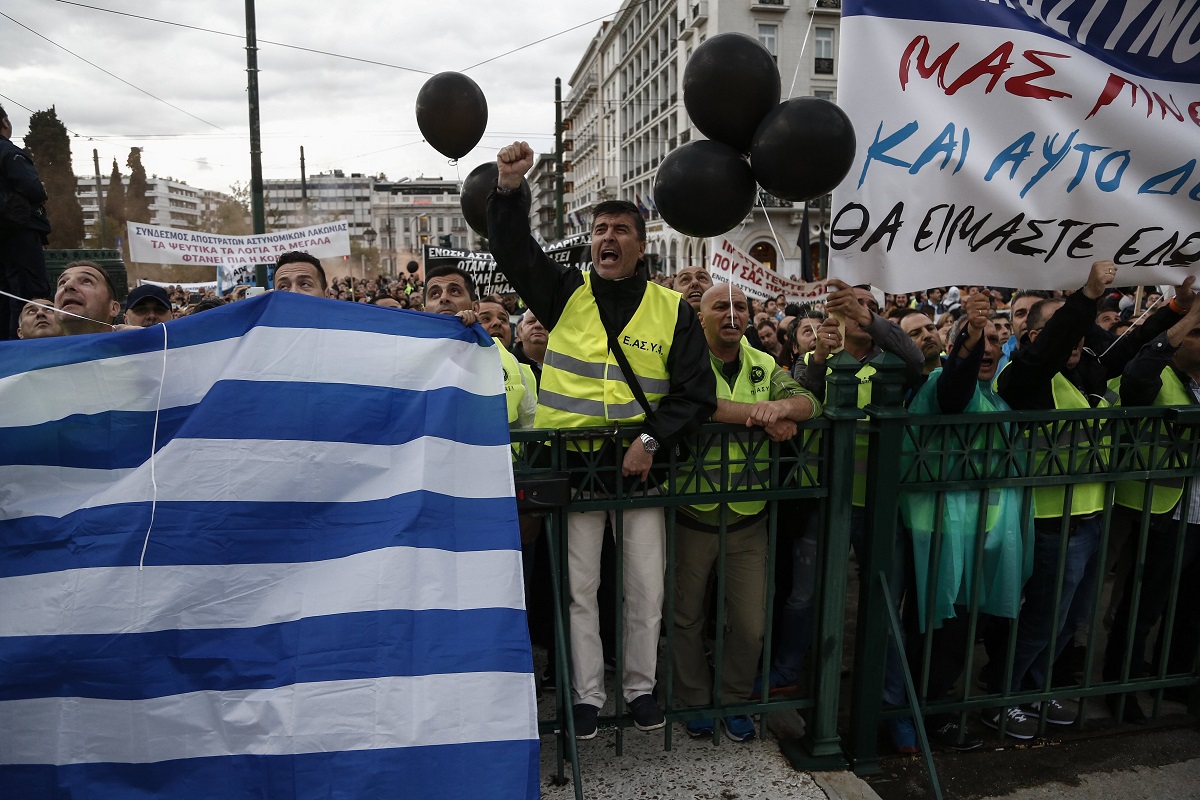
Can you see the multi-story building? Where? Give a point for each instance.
(542, 181)
(408, 214)
(324, 197)
(625, 110)
(172, 203)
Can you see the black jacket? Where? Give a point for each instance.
(545, 286)
(1025, 382)
(22, 196)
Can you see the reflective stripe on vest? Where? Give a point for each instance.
(1087, 498)
(753, 383)
(582, 383)
(1166, 491)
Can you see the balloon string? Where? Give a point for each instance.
(55, 310)
(800, 58)
(774, 235)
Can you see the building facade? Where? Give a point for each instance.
(408, 214)
(173, 204)
(324, 197)
(625, 112)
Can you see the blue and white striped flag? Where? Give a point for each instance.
(329, 602)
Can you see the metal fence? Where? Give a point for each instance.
(940, 459)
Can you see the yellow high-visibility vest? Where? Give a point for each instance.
(582, 383)
(1167, 491)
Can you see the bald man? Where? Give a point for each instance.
(754, 392)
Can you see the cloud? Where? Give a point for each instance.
(348, 115)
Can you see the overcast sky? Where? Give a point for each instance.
(348, 115)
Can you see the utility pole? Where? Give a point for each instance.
(558, 160)
(257, 207)
(303, 189)
(100, 199)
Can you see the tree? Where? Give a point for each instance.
(137, 205)
(114, 211)
(231, 216)
(50, 148)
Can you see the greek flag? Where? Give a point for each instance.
(311, 590)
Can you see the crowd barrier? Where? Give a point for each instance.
(939, 457)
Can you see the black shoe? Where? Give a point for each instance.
(1134, 714)
(647, 716)
(947, 733)
(585, 721)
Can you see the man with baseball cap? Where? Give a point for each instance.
(147, 305)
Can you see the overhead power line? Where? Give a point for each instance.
(106, 72)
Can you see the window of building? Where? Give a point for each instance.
(768, 36)
(823, 51)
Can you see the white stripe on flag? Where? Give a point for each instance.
(257, 470)
(263, 354)
(301, 718)
(112, 600)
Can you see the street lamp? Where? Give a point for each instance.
(369, 234)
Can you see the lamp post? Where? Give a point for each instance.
(369, 235)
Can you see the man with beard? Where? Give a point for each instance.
(147, 305)
(924, 335)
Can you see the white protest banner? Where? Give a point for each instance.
(1013, 143)
(153, 244)
(730, 264)
(187, 287)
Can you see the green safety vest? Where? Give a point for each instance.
(753, 383)
(582, 383)
(862, 438)
(1087, 498)
(1167, 491)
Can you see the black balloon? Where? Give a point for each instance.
(412, 267)
(475, 191)
(704, 188)
(451, 113)
(803, 149)
(729, 84)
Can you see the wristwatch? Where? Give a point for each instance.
(649, 442)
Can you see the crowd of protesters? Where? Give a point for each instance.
(964, 350)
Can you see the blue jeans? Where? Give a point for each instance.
(1031, 658)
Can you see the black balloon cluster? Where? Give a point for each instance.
(799, 149)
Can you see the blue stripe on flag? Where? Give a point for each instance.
(262, 410)
(348, 658)
(481, 771)
(253, 533)
(273, 309)
(309, 650)
(1010, 15)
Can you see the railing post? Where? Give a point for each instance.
(886, 433)
(841, 408)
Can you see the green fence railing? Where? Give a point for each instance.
(940, 458)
